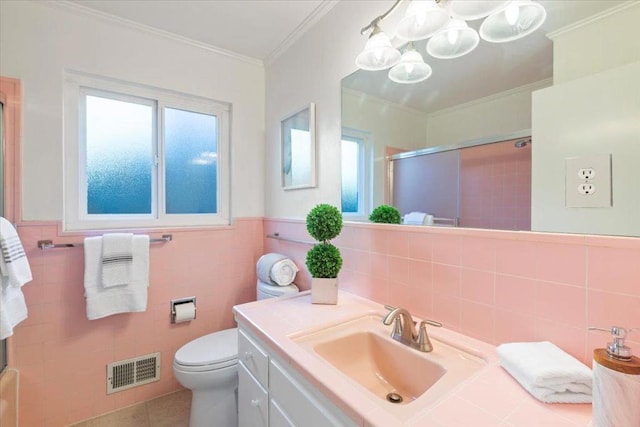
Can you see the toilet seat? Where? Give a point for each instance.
(210, 352)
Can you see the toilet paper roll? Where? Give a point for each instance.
(185, 312)
(615, 398)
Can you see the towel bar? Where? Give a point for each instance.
(48, 244)
(286, 239)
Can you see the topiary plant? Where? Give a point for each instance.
(324, 261)
(324, 222)
(386, 214)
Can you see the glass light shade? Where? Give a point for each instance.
(410, 69)
(517, 20)
(454, 40)
(422, 19)
(378, 53)
(476, 9)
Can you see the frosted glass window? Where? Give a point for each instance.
(119, 156)
(191, 161)
(142, 157)
(350, 172)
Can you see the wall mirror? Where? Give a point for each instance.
(298, 146)
(483, 96)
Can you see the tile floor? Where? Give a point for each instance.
(171, 410)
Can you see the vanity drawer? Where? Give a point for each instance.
(254, 358)
(253, 404)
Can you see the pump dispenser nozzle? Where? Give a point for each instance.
(617, 348)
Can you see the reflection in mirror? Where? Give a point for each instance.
(490, 93)
(298, 149)
(480, 186)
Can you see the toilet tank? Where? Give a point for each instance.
(265, 290)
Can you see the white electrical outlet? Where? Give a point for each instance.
(587, 173)
(588, 181)
(586, 189)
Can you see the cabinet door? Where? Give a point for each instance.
(302, 405)
(277, 417)
(253, 400)
(254, 358)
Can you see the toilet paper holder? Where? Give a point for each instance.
(175, 302)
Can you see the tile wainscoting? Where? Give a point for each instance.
(61, 356)
(497, 286)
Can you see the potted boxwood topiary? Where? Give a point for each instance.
(386, 214)
(324, 222)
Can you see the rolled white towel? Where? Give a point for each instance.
(277, 269)
(547, 372)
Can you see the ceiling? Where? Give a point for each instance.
(257, 29)
(491, 68)
(261, 29)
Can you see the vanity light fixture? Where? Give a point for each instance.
(457, 38)
(518, 19)
(444, 22)
(411, 68)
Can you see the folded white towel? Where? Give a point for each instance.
(276, 269)
(13, 308)
(414, 218)
(13, 262)
(105, 301)
(117, 258)
(547, 372)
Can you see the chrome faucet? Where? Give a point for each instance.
(404, 329)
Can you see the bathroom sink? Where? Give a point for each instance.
(362, 350)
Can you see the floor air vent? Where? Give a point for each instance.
(129, 373)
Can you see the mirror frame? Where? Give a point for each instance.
(285, 148)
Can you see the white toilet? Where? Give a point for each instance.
(208, 366)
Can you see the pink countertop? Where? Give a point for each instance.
(490, 397)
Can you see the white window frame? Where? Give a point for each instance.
(365, 169)
(77, 86)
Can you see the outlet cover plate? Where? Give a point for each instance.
(600, 197)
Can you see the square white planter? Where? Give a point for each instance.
(324, 291)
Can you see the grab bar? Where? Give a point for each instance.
(286, 239)
(48, 244)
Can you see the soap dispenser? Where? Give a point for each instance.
(616, 382)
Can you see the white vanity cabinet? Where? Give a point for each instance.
(271, 393)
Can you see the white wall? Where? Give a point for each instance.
(500, 114)
(592, 108)
(38, 42)
(597, 114)
(310, 71)
(598, 44)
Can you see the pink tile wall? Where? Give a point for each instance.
(497, 286)
(62, 356)
(495, 186)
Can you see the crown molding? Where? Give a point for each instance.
(136, 26)
(322, 9)
(592, 19)
(541, 84)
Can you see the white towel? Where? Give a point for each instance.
(117, 259)
(547, 372)
(13, 308)
(276, 269)
(101, 301)
(13, 262)
(414, 218)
